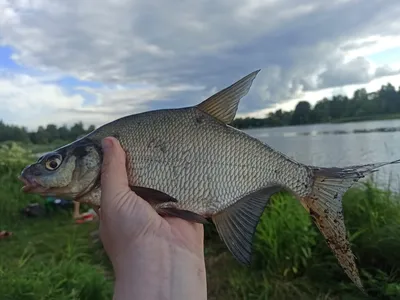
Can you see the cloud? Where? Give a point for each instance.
(36, 100)
(386, 70)
(33, 101)
(356, 71)
(25, 100)
(179, 52)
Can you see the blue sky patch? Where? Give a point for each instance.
(6, 61)
(69, 84)
(388, 56)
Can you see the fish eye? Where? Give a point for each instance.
(53, 162)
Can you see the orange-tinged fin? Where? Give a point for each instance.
(183, 214)
(152, 195)
(224, 104)
(325, 207)
(237, 224)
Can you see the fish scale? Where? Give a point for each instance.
(163, 151)
(189, 163)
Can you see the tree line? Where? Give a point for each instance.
(43, 135)
(381, 104)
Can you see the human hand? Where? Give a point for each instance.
(139, 241)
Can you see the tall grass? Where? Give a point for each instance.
(52, 258)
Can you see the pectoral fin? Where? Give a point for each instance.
(151, 195)
(183, 214)
(166, 204)
(237, 224)
(224, 104)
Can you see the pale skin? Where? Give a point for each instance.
(76, 214)
(153, 257)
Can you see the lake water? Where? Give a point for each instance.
(340, 145)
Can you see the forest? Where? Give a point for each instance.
(381, 104)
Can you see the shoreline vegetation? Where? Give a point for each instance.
(383, 104)
(247, 123)
(51, 257)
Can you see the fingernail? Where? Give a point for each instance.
(106, 143)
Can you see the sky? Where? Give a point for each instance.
(94, 61)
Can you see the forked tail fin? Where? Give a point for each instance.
(324, 204)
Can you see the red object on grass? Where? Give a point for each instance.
(85, 218)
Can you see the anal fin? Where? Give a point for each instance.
(237, 224)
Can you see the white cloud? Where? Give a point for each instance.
(180, 52)
(25, 100)
(370, 45)
(35, 101)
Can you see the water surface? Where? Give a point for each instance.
(340, 145)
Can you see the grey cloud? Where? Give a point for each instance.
(207, 43)
(385, 71)
(353, 45)
(352, 72)
(355, 71)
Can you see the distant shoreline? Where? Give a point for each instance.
(380, 117)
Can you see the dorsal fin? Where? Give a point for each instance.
(224, 104)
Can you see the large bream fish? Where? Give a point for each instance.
(193, 165)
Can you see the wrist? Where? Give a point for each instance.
(155, 268)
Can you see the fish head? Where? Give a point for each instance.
(68, 172)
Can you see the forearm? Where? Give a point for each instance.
(160, 271)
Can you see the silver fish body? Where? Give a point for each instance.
(202, 163)
(190, 163)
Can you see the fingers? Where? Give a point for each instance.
(113, 177)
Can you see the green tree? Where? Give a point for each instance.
(301, 113)
(42, 135)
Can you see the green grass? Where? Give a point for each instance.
(53, 258)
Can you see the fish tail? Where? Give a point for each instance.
(324, 203)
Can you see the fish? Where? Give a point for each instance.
(190, 163)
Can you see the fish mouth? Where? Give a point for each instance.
(31, 185)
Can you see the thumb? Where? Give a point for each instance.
(113, 174)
